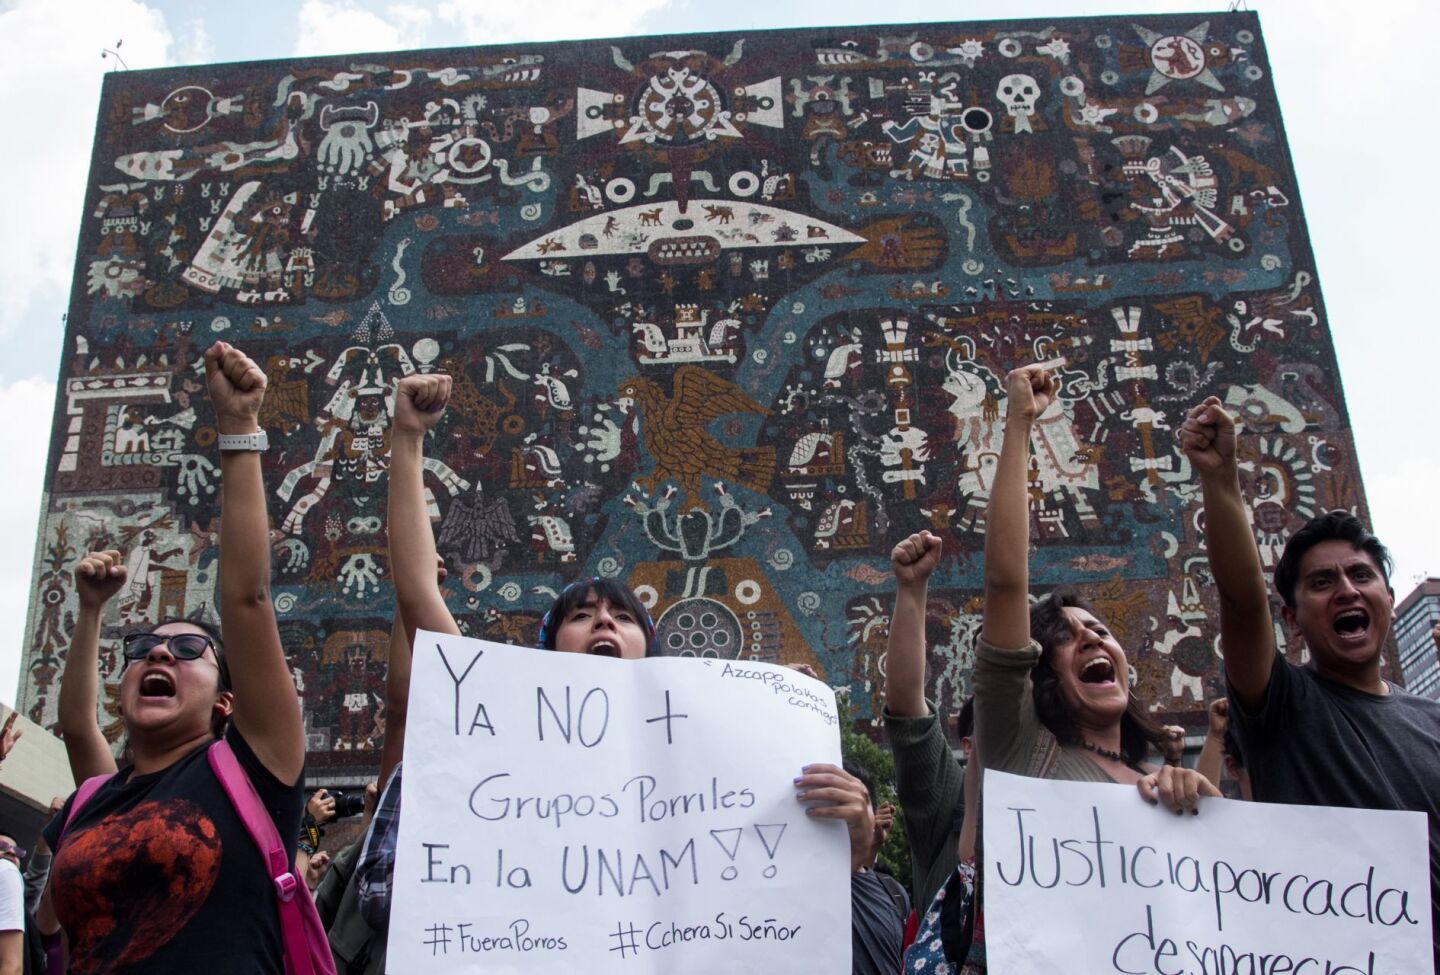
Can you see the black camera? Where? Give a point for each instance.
(348, 803)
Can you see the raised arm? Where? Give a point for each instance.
(419, 404)
(98, 577)
(912, 561)
(9, 735)
(1247, 635)
(397, 689)
(266, 712)
(1211, 762)
(1006, 619)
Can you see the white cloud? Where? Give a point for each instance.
(195, 46)
(352, 27)
(488, 22)
(50, 80)
(50, 75)
(342, 27)
(24, 447)
(1401, 496)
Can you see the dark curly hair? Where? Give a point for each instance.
(1050, 628)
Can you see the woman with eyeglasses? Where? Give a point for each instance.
(156, 872)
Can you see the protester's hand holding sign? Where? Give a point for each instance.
(1081, 878)
(564, 812)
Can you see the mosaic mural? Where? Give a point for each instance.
(728, 316)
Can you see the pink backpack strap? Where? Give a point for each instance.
(297, 930)
(87, 789)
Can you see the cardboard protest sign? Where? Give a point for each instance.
(566, 813)
(1083, 877)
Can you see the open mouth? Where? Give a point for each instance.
(603, 648)
(1098, 670)
(1352, 624)
(157, 683)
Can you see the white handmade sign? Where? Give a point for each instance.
(1083, 877)
(566, 813)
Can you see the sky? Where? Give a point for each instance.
(1350, 80)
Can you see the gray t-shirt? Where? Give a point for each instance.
(877, 925)
(1317, 742)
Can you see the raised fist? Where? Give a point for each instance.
(915, 558)
(1219, 718)
(9, 735)
(1208, 436)
(1031, 389)
(420, 401)
(98, 577)
(1172, 743)
(237, 386)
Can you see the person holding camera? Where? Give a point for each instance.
(319, 810)
(323, 807)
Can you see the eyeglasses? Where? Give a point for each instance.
(182, 646)
(12, 848)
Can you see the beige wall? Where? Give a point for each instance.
(34, 772)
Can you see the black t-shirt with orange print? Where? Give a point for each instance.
(157, 873)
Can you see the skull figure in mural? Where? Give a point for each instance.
(1019, 93)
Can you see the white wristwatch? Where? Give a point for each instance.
(256, 442)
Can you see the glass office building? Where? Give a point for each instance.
(1419, 656)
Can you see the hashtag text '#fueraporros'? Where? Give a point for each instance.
(467, 938)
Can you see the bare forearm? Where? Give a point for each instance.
(244, 536)
(412, 542)
(905, 654)
(1247, 640)
(79, 683)
(1234, 558)
(12, 952)
(85, 745)
(1211, 762)
(397, 694)
(1006, 621)
(265, 709)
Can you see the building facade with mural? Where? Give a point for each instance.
(728, 315)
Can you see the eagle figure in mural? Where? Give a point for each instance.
(675, 431)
